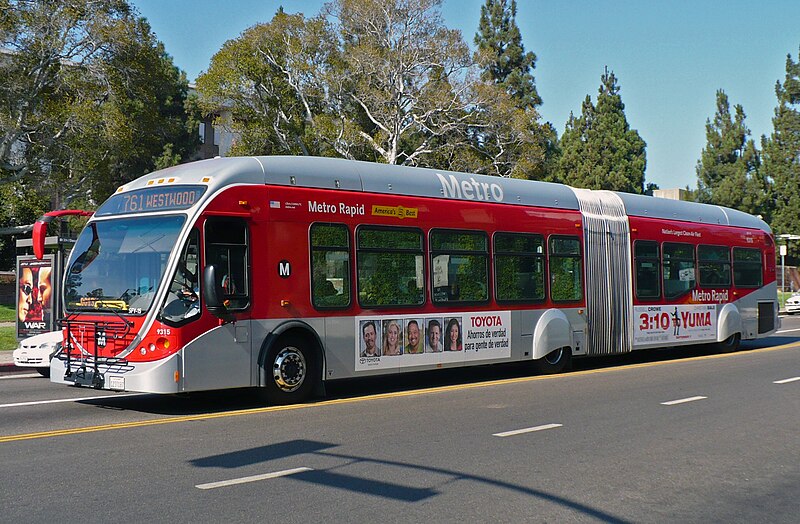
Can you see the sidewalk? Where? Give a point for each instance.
(7, 357)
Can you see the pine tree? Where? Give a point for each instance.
(599, 150)
(781, 151)
(508, 139)
(728, 169)
(501, 51)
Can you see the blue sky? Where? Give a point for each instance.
(670, 57)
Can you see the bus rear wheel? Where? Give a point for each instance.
(554, 362)
(730, 344)
(290, 371)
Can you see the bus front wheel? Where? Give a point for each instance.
(554, 362)
(290, 371)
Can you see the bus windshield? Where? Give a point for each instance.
(117, 264)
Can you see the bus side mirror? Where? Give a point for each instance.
(213, 293)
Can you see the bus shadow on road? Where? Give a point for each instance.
(381, 488)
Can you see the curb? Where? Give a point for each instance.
(11, 368)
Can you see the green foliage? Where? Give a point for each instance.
(507, 139)
(502, 54)
(599, 150)
(728, 172)
(388, 265)
(20, 206)
(365, 79)
(8, 313)
(8, 338)
(781, 153)
(565, 279)
(90, 99)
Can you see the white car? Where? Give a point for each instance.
(792, 304)
(36, 351)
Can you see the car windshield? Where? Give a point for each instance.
(117, 264)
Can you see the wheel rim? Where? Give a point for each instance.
(554, 357)
(289, 369)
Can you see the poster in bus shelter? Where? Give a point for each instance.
(674, 323)
(398, 341)
(34, 296)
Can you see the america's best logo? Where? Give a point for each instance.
(398, 211)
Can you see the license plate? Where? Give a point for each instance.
(116, 383)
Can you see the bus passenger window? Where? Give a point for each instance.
(390, 267)
(330, 266)
(747, 268)
(647, 261)
(518, 267)
(678, 269)
(226, 247)
(459, 266)
(566, 269)
(714, 266)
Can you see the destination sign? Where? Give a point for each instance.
(152, 199)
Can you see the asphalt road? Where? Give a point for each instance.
(650, 437)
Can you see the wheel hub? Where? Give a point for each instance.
(289, 369)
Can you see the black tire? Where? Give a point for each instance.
(45, 372)
(730, 344)
(291, 371)
(554, 362)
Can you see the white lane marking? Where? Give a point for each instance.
(56, 401)
(682, 401)
(254, 478)
(26, 375)
(787, 380)
(786, 331)
(526, 430)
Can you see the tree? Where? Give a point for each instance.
(365, 79)
(275, 80)
(402, 73)
(599, 150)
(502, 54)
(507, 138)
(781, 151)
(89, 99)
(728, 169)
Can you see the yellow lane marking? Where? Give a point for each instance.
(397, 394)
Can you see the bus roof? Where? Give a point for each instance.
(337, 173)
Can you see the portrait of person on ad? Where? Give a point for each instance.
(452, 336)
(392, 338)
(369, 336)
(414, 344)
(434, 337)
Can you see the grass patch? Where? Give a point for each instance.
(8, 338)
(8, 313)
(782, 296)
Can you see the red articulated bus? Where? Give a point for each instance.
(286, 272)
